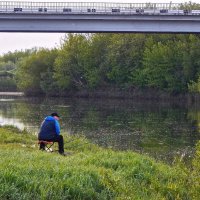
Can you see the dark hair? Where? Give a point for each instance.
(55, 115)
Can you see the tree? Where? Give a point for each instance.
(96, 60)
(124, 57)
(162, 67)
(69, 65)
(48, 84)
(31, 68)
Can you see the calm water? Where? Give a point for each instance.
(164, 131)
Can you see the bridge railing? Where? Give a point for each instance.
(90, 7)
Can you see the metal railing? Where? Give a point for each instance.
(93, 8)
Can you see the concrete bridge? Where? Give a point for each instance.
(98, 17)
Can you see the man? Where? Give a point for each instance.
(50, 131)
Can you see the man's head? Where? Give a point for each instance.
(55, 115)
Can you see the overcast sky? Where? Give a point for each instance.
(21, 41)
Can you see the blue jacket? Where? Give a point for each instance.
(49, 129)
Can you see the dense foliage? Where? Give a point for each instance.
(89, 172)
(91, 61)
(88, 62)
(35, 72)
(8, 66)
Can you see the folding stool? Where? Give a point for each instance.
(47, 144)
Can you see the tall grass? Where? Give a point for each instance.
(89, 172)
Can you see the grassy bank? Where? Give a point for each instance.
(89, 172)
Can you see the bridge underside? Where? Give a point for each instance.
(99, 23)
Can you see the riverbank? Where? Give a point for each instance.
(126, 93)
(89, 172)
(132, 93)
(145, 94)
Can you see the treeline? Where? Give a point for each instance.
(89, 62)
(8, 66)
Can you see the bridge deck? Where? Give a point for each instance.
(97, 8)
(98, 17)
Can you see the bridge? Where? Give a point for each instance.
(98, 17)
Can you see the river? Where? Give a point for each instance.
(165, 131)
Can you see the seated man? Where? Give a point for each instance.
(50, 131)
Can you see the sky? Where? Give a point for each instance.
(22, 41)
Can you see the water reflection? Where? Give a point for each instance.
(11, 121)
(161, 130)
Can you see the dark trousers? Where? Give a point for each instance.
(56, 138)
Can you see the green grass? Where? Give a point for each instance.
(90, 172)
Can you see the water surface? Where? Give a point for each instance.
(163, 130)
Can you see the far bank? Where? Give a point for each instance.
(133, 93)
